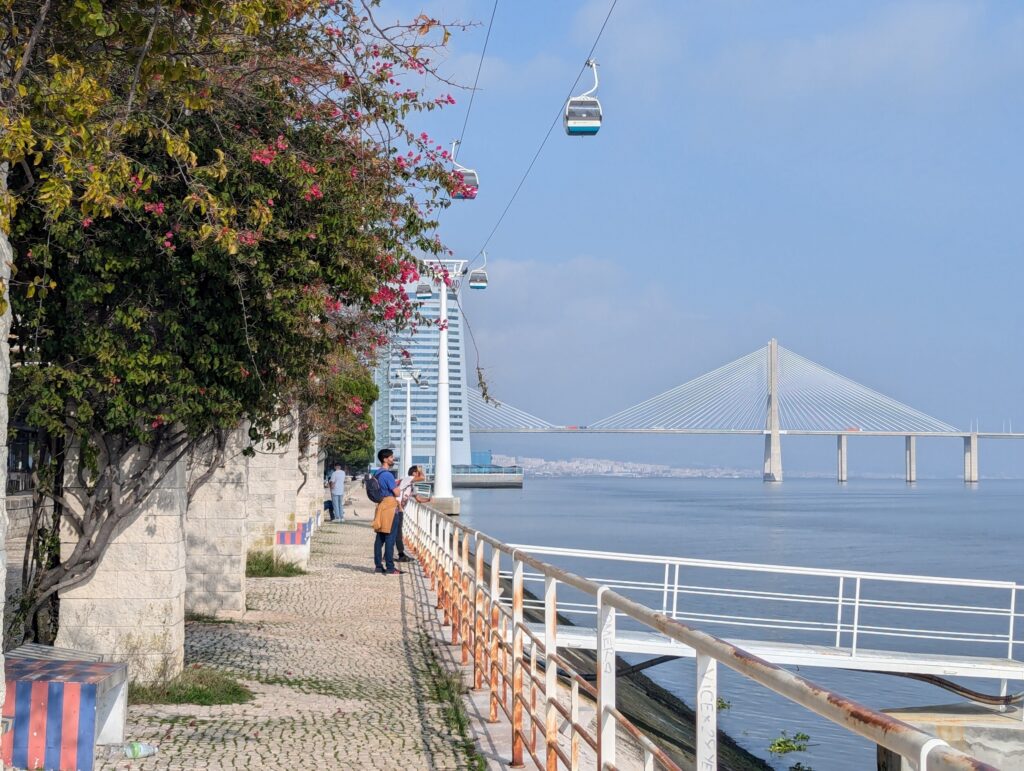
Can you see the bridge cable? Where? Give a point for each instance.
(551, 128)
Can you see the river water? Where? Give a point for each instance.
(940, 527)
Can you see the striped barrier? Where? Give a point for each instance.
(53, 708)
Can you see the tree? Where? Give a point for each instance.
(212, 202)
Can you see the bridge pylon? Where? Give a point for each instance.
(772, 440)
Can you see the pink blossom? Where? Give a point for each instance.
(86, 222)
(154, 208)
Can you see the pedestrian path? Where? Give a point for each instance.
(343, 663)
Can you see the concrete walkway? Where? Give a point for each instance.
(343, 663)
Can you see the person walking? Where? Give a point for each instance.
(407, 492)
(337, 485)
(387, 518)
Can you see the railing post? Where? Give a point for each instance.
(517, 663)
(1013, 612)
(664, 591)
(494, 636)
(574, 719)
(550, 671)
(707, 717)
(675, 591)
(839, 613)
(856, 616)
(465, 601)
(478, 614)
(606, 674)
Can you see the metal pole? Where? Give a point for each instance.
(606, 673)
(407, 444)
(517, 663)
(443, 438)
(550, 673)
(707, 717)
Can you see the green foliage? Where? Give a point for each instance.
(195, 685)
(209, 203)
(784, 744)
(721, 704)
(263, 564)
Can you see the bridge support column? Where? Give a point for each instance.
(841, 458)
(971, 458)
(911, 458)
(772, 441)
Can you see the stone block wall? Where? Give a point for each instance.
(133, 607)
(215, 532)
(19, 512)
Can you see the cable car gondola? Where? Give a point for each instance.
(423, 291)
(478, 279)
(583, 112)
(478, 276)
(470, 185)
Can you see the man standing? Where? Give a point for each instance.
(337, 484)
(407, 492)
(388, 531)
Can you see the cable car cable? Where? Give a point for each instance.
(558, 117)
(480, 66)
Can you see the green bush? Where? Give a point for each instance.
(263, 564)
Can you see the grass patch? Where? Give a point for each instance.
(195, 685)
(263, 564)
(202, 618)
(447, 689)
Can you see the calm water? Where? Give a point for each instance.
(934, 528)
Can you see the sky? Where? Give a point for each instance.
(844, 176)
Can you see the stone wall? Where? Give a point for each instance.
(133, 607)
(293, 529)
(215, 532)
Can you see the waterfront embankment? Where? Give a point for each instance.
(344, 672)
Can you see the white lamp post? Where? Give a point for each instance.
(443, 439)
(443, 498)
(407, 376)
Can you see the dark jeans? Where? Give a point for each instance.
(398, 538)
(386, 542)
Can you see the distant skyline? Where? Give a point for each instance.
(844, 177)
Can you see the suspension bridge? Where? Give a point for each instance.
(771, 392)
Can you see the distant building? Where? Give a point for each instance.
(389, 411)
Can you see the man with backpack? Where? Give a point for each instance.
(382, 489)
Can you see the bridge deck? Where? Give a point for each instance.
(793, 654)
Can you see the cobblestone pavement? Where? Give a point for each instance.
(340, 664)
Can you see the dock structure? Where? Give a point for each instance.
(771, 392)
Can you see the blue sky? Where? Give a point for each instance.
(843, 176)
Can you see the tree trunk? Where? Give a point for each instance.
(6, 263)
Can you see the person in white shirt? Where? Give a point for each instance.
(337, 485)
(406, 493)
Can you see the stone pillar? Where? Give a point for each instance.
(215, 537)
(772, 441)
(311, 494)
(261, 497)
(133, 607)
(841, 458)
(292, 528)
(971, 458)
(911, 459)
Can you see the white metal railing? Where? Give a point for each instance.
(839, 608)
(492, 637)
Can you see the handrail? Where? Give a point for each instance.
(438, 539)
(756, 567)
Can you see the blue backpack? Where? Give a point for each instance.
(373, 489)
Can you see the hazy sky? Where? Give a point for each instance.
(844, 176)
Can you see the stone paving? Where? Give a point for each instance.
(340, 661)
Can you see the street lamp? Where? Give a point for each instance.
(408, 376)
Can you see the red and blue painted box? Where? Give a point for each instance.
(59, 709)
(297, 537)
